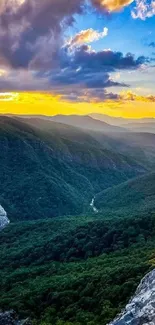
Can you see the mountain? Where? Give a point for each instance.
(120, 121)
(134, 195)
(141, 308)
(50, 169)
(86, 122)
(141, 127)
(82, 222)
(139, 146)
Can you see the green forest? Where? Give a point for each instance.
(70, 270)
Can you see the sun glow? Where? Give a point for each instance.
(43, 103)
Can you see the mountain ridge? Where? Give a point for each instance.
(60, 167)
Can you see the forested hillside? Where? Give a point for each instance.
(53, 169)
(70, 270)
(134, 195)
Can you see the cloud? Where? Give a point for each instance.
(89, 96)
(87, 36)
(21, 80)
(33, 55)
(106, 60)
(24, 25)
(89, 69)
(82, 68)
(152, 44)
(143, 9)
(31, 31)
(111, 5)
(129, 95)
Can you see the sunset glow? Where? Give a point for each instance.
(48, 104)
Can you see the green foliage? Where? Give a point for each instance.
(70, 270)
(134, 195)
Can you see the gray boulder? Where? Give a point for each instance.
(4, 221)
(141, 308)
(11, 318)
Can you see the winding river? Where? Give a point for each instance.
(92, 205)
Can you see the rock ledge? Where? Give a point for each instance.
(141, 308)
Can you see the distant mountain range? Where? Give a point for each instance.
(86, 122)
(120, 120)
(101, 122)
(134, 125)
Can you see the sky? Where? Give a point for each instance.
(77, 57)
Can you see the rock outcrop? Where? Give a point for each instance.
(141, 308)
(11, 318)
(4, 221)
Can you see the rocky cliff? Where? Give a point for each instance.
(141, 309)
(11, 318)
(4, 221)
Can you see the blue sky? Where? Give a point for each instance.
(125, 34)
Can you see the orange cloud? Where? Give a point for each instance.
(87, 36)
(129, 95)
(112, 5)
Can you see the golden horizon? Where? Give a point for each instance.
(48, 104)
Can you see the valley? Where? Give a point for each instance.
(80, 202)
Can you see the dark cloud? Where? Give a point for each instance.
(152, 44)
(91, 69)
(106, 59)
(88, 95)
(85, 78)
(23, 27)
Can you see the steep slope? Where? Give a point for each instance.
(55, 170)
(134, 195)
(140, 146)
